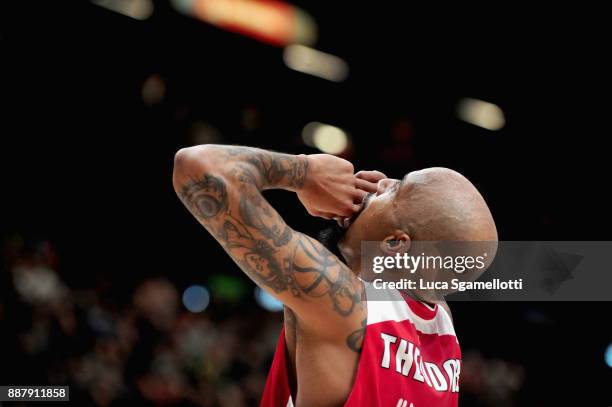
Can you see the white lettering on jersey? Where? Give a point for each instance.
(407, 355)
(437, 378)
(418, 366)
(388, 339)
(404, 357)
(453, 368)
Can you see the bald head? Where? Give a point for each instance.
(441, 204)
(434, 204)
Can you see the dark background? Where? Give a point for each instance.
(86, 165)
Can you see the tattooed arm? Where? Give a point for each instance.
(221, 186)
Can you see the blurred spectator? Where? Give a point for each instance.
(147, 352)
(150, 350)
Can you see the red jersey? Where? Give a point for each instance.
(410, 357)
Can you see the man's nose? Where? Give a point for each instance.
(383, 185)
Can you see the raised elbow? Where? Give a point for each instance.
(183, 159)
(188, 163)
(192, 158)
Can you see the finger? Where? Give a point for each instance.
(366, 186)
(358, 195)
(350, 210)
(372, 176)
(326, 215)
(343, 222)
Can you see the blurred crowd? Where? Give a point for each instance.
(145, 348)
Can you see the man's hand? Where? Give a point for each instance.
(331, 190)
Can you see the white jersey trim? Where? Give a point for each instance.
(396, 309)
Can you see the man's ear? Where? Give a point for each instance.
(398, 242)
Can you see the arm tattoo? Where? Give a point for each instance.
(205, 198)
(257, 215)
(324, 275)
(230, 205)
(355, 340)
(261, 263)
(274, 169)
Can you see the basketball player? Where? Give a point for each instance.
(337, 348)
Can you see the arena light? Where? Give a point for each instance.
(153, 90)
(308, 133)
(314, 62)
(202, 132)
(227, 288)
(480, 113)
(196, 298)
(137, 9)
(266, 301)
(327, 138)
(608, 355)
(272, 21)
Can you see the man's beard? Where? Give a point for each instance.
(331, 236)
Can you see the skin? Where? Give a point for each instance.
(325, 308)
(433, 204)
